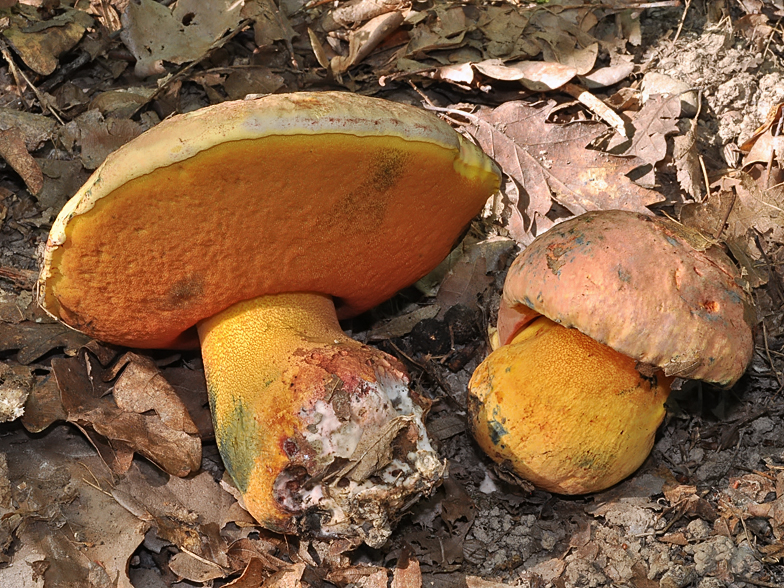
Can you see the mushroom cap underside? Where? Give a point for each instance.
(334, 193)
(646, 286)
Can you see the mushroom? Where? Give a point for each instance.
(598, 316)
(250, 227)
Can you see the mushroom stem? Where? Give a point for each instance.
(304, 417)
(563, 411)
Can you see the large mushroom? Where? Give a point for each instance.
(598, 316)
(243, 227)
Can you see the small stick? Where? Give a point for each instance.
(598, 107)
(680, 24)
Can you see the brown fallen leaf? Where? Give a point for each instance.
(653, 123)
(33, 340)
(687, 163)
(252, 576)
(154, 33)
(537, 76)
(550, 162)
(184, 513)
(403, 323)
(41, 42)
(270, 23)
(738, 207)
(117, 434)
(473, 273)
(141, 387)
(362, 576)
(99, 137)
(14, 151)
(69, 521)
(288, 578)
(36, 128)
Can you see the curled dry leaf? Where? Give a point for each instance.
(365, 39)
(356, 11)
(116, 433)
(14, 151)
(40, 43)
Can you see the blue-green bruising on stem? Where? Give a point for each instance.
(237, 436)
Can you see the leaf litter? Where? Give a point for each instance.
(584, 106)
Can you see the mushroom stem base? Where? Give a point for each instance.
(305, 417)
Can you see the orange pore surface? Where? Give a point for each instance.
(357, 218)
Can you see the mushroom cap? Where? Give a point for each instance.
(329, 192)
(646, 286)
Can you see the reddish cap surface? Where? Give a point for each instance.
(643, 285)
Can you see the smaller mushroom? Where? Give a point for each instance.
(599, 315)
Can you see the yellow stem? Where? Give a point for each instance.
(290, 394)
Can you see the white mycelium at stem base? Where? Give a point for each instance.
(319, 432)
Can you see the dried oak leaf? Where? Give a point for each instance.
(117, 433)
(550, 162)
(737, 209)
(33, 340)
(185, 513)
(656, 120)
(14, 151)
(155, 33)
(70, 531)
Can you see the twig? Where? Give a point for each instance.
(680, 24)
(776, 372)
(18, 73)
(770, 38)
(433, 374)
(21, 278)
(598, 107)
(707, 183)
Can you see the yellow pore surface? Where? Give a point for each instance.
(567, 413)
(356, 218)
